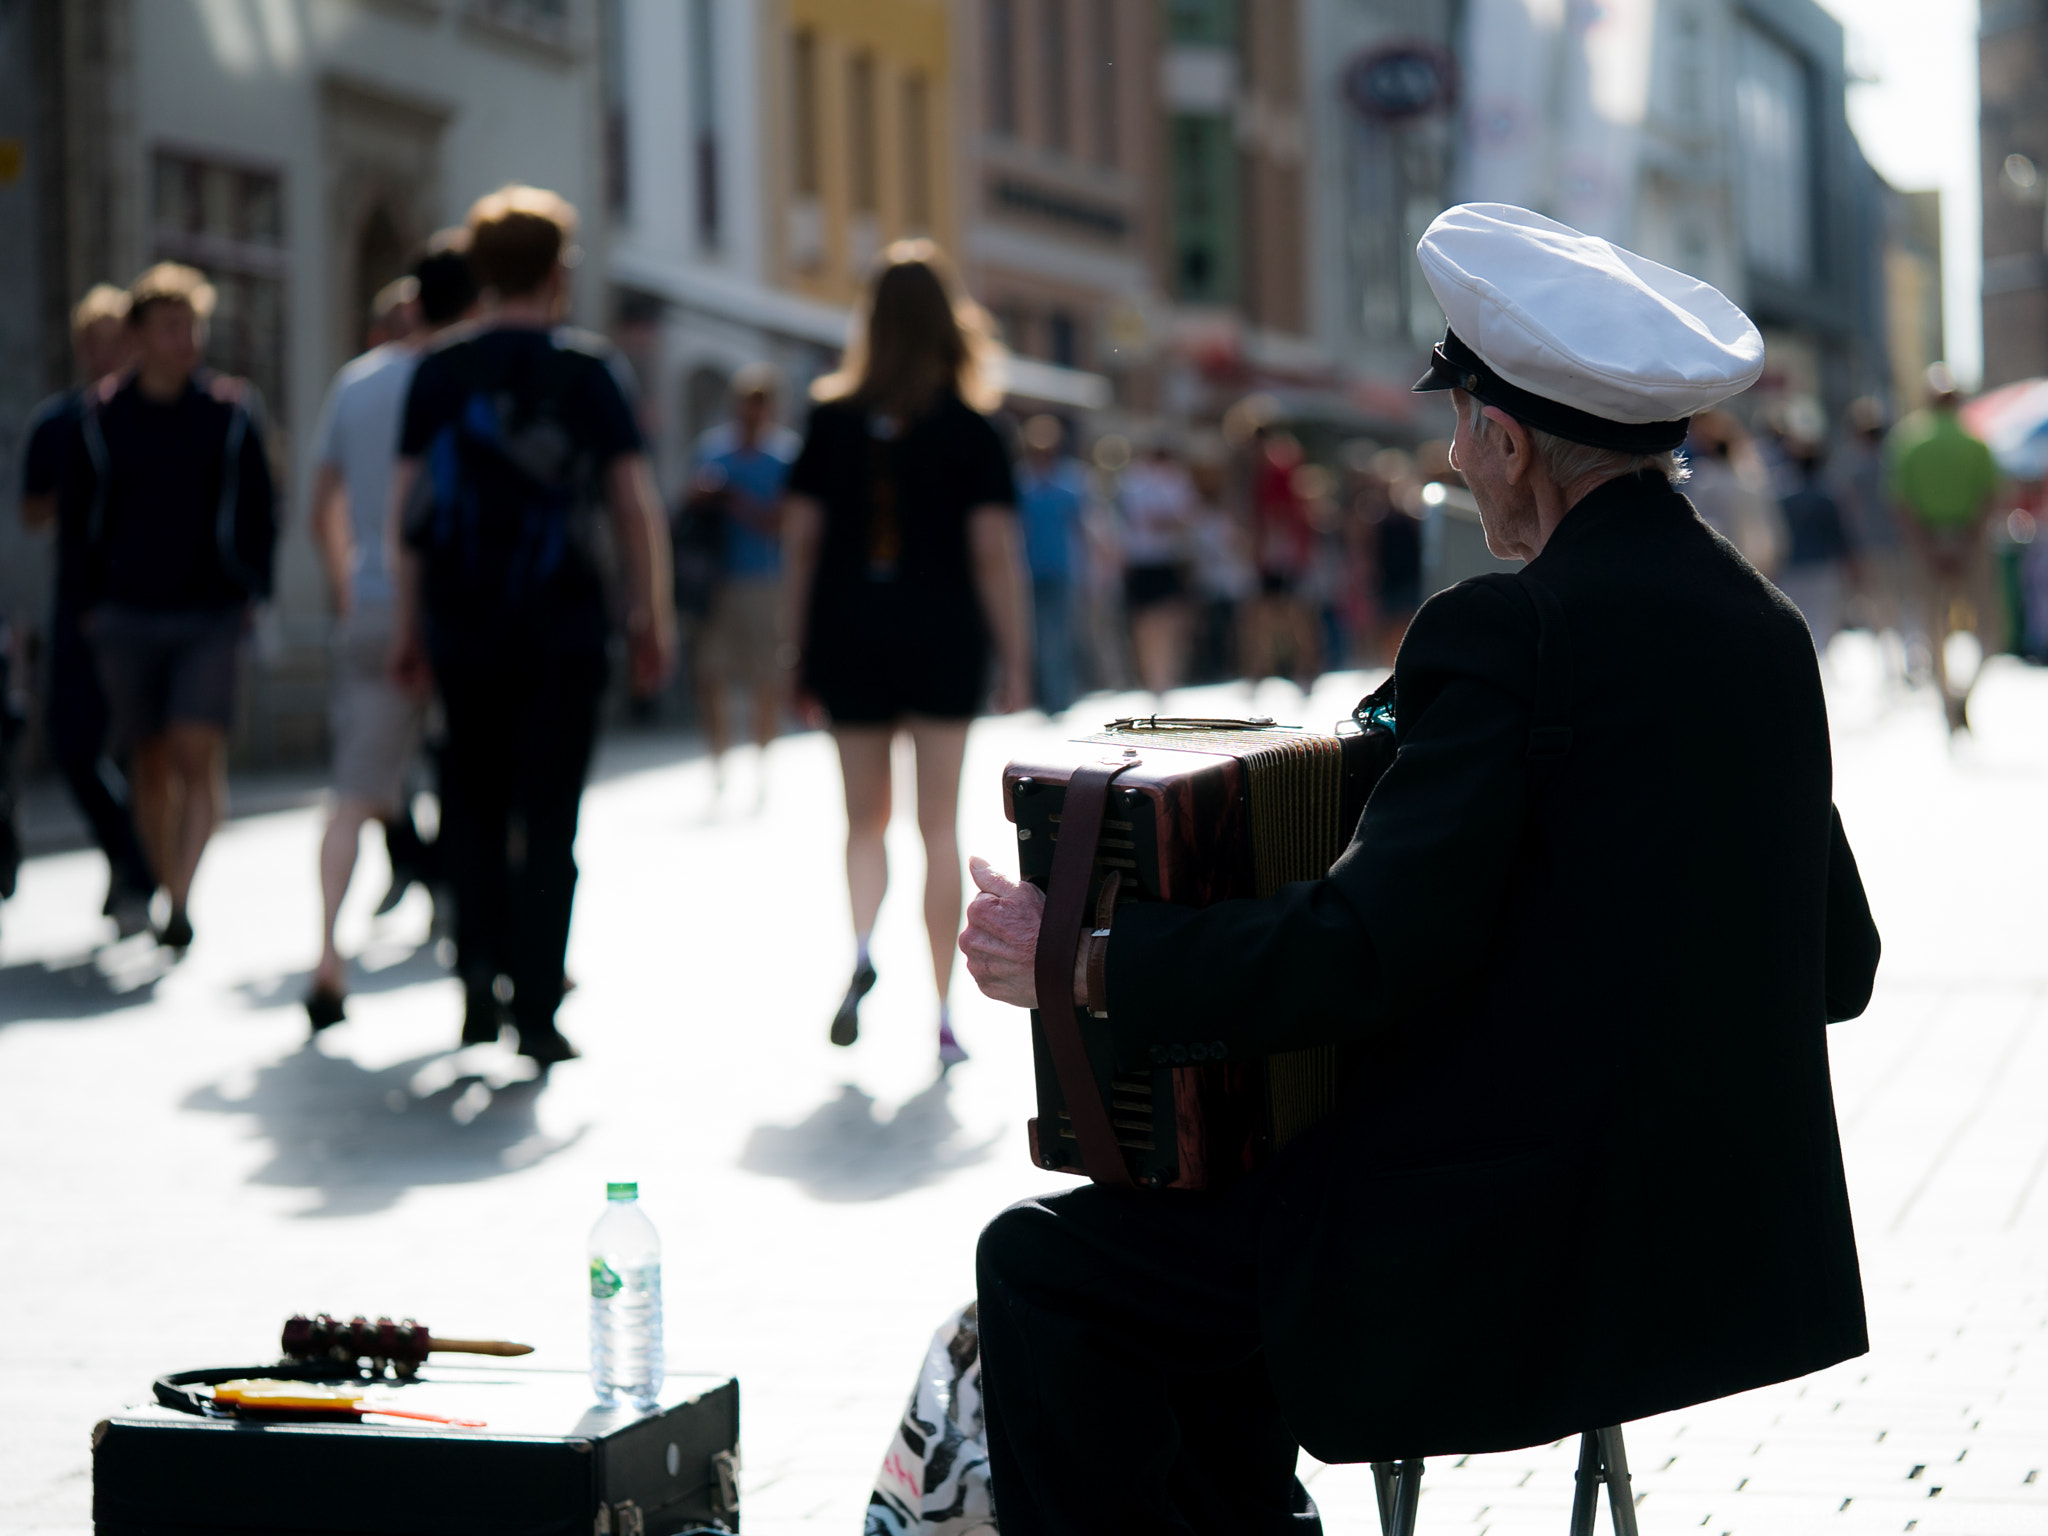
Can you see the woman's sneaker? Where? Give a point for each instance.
(951, 1051)
(846, 1022)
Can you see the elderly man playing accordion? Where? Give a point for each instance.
(1589, 1170)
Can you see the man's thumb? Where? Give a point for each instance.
(990, 879)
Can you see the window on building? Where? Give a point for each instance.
(1688, 68)
(1774, 139)
(1102, 71)
(1063, 339)
(1204, 203)
(803, 91)
(1201, 21)
(862, 133)
(704, 151)
(1053, 74)
(228, 221)
(618, 185)
(1002, 67)
(917, 153)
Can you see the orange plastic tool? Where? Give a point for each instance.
(266, 1395)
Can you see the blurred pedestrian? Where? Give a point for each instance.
(394, 313)
(186, 514)
(1943, 479)
(1818, 554)
(516, 433)
(903, 568)
(1221, 573)
(374, 723)
(734, 517)
(1280, 626)
(1156, 516)
(56, 492)
(1397, 549)
(1857, 477)
(1730, 487)
(1052, 499)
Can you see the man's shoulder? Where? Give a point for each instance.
(1484, 628)
(56, 412)
(394, 357)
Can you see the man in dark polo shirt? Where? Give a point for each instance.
(1579, 962)
(182, 525)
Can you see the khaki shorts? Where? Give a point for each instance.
(375, 725)
(736, 641)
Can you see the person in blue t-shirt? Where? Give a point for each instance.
(736, 477)
(1052, 496)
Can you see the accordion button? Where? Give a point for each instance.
(1179, 1053)
(1198, 1052)
(1158, 1054)
(1216, 1050)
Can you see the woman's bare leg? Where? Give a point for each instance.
(864, 765)
(941, 745)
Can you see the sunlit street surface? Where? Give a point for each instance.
(182, 1170)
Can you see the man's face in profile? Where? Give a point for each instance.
(1507, 510)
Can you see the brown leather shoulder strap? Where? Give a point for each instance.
(1059, 936)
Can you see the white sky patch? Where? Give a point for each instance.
(1917, 123)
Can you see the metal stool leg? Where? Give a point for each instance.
(1399, 1485)
(1603, 1459)
(1621, 1499)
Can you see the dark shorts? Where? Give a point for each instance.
(875, 657)
(165, 668)
(1276, 584)
(1146, 586)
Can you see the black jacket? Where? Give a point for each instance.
(1587, 1169)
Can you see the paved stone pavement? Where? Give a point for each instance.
(180, 1169)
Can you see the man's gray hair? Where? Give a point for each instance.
(1570, 462)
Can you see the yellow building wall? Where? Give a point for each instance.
(824, 245)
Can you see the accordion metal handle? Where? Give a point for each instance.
(1195, 723)
(1059, 938)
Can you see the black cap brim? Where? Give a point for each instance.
(1453, 365)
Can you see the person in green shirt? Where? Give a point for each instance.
(1943, 479)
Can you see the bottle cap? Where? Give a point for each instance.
(622, 1191)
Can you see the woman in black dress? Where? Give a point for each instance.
(903, 580)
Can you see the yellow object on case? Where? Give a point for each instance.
(266, 1392)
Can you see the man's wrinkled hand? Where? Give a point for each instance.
(1001, 937)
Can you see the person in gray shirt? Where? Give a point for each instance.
(375, 724)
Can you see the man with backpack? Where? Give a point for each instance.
(181, 528)
(375, 724)
(55, 494)
(515, 434)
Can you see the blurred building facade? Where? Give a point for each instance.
(1914, 329)
(297, 153)
(1055, 110)
(1707, 134)
(2012, 84)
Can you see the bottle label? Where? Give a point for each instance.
(604, 1280)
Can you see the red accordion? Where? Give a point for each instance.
(1194, 812)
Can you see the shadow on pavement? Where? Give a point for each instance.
(842, 1151)
(361, 1137)
(83, 988)
(420, 966)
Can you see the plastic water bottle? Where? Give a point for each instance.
(625, 1302)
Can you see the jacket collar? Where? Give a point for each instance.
(1607, 508)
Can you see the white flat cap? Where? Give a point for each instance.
(1576, 336)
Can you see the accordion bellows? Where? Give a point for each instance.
(1205, 811)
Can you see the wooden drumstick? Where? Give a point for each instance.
(436, 1345)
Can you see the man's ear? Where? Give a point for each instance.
(1517, 452)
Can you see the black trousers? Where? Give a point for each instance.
(78, 738)
(519, 741)
(1123, 1380)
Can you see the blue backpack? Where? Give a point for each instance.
(500, 513)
